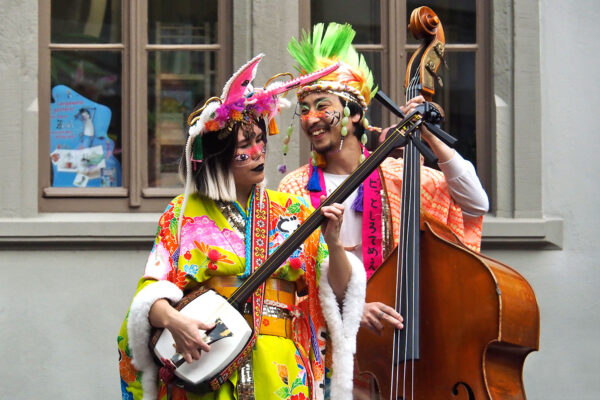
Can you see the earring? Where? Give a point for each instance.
(289, 131)
(362, 148)
(363, 138)
(345, 121)
(287, 138)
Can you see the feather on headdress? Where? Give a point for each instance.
(321, 49)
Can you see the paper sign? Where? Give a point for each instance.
(81, 153)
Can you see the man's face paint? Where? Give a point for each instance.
(323, 110)
(323, 131)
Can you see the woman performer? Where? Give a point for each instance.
(208, 238)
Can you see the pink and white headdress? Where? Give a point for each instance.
(238, 102)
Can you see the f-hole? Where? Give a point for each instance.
(467, 388)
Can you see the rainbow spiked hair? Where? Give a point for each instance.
(353, 80)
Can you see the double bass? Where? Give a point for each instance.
(470, 321)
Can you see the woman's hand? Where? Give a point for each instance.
(186, 333)
(185, 330)
(376, 314)
(331, 227)
(340, 270)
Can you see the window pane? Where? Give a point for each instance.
(457, 97)
(85, 119)
(457, 16)
(182, 22)
(374, 113)
(363, 15)
(86, 21)
(177, 81)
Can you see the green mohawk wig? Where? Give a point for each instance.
(352, 79)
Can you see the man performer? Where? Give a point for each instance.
(332, 115)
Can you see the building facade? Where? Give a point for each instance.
(95, 95)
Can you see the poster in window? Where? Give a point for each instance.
(81, 152)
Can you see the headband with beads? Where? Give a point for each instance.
(345, 91)
(326, 46)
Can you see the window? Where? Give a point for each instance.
(117, 79)
(365, 18)
(383, 38)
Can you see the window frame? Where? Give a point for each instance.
(134, 195)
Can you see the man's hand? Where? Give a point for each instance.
(340, 269)
(442, 151)
(376, 315)
(410, 107)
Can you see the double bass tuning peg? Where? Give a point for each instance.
(430, 67)
(439, 50)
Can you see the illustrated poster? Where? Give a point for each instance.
(80, 150)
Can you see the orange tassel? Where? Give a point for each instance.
(321, 161)
(273, 129)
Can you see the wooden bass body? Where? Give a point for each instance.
(479, 320)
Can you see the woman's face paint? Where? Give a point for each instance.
(251, 145)
(244, 155)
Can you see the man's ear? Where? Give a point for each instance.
(356, 118)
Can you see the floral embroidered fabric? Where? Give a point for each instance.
(211, 246)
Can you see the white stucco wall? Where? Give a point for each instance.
(60, 314)
(18, 108)
(566, 281)
(60, 310)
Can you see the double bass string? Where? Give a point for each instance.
(401, 291)
(410, 271)
(405, 283)
(414, 187)
(411, 189)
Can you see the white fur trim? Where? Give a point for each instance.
(343, 327)
(138, 331)
(196, 128)
(205, 115)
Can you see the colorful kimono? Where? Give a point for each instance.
(212, 244)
